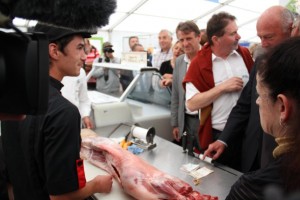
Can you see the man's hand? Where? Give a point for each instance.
(176, 134)
(232, 85)
(103, 183)
(166, 82)
(214, 150)
(87, 122)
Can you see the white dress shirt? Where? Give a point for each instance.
(75, 90)
(223, 69)
(187, 111)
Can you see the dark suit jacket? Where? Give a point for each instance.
(244, 123)
(250, 186)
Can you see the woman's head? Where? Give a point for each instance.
(278, 81)
(278, 87)
(177, 49)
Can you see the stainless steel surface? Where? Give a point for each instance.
(169, 157)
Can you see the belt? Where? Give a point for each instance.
(193, 116)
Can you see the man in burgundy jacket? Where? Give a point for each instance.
(216, 78)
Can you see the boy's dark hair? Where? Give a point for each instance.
(63, 42)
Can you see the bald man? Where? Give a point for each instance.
(273, 27)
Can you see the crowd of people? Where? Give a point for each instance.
(238, 107)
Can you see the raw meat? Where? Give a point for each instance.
(138, 178)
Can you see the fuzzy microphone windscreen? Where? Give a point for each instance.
(76, 14)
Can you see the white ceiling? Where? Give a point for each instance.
(150, 16)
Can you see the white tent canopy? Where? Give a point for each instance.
(150, 16)
(145, 18)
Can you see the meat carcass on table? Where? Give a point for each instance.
(138, 178)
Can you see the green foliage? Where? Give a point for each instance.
(291, 5)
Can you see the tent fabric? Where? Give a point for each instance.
(150, 16)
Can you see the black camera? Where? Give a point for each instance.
(24, 58)
(24, 73)
(108, 49)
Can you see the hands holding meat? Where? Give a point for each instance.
(137, 177)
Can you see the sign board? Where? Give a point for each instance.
(134, 58)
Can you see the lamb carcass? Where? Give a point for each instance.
(137, 178)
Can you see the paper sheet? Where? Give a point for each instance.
(189, 167)
(199, 173)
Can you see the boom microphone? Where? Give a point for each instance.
(76, 14)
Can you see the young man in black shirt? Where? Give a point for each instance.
(42, 152)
